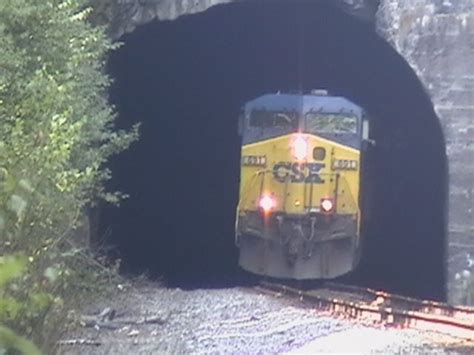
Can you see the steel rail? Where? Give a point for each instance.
(383, 307)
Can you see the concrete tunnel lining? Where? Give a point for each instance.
(185, 80)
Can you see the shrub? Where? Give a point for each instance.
(56, 133)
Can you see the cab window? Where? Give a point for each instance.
(320, 122)
(271, 119)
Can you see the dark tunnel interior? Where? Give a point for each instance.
(184, 80)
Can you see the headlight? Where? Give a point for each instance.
(300, 148)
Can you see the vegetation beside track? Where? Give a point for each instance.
(56, 133)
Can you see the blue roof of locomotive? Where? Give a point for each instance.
(303, 103)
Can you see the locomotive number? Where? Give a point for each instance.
(254, 160)
(344, 164)
(298, 173)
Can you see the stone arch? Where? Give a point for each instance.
(185, 80)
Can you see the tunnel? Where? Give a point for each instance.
(185, 80)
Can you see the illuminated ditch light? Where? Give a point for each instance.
(327, 205)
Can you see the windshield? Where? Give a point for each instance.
(267, 119)
(320, 122)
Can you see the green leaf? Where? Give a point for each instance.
(11, 341)
(10, 267)
(41, 300)
(9, 308)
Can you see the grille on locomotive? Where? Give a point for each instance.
(299, 213)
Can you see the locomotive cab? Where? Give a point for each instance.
(299, 214)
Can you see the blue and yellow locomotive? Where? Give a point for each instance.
(299, 211)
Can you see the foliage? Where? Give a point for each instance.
(12, 267)
(56, 133)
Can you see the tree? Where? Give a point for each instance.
(56, 133)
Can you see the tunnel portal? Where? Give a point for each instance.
(185, 81)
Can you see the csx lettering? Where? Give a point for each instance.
(298, 173)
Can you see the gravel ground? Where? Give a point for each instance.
(238, 320)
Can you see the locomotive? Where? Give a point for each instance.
(300, 202)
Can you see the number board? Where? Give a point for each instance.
(254, 160)
(344, 164)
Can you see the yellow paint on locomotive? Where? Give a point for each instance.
(269, 168)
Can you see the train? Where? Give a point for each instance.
(301, 200)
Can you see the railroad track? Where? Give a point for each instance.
(384, 308)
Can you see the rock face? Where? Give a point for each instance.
(363, 9)
(123, 16)
(436, 37)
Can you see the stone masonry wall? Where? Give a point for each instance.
(436, 37)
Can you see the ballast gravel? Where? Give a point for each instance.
(239, 321)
